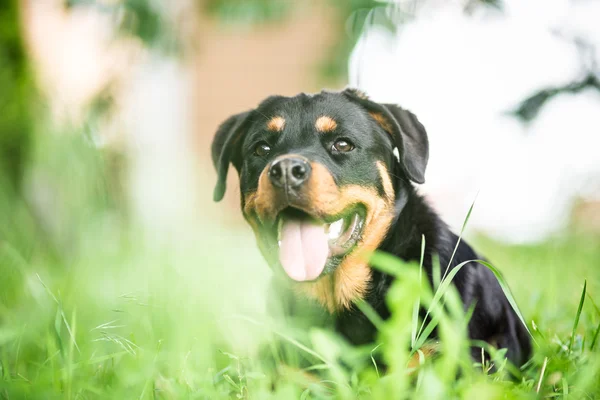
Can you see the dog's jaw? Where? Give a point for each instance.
(350, 279)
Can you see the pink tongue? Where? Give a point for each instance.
(303, 249)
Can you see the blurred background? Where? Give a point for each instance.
(508, 92)
(108, 109)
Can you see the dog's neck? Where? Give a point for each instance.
(415, 222)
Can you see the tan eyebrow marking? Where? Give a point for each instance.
(325, 124)
(276, 124)
(383, 121)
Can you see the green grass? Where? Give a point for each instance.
(92, 306)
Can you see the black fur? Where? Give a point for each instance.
(493, 317)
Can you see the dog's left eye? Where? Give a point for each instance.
(262, 149)
(342, 146)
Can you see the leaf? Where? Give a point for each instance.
(370, 313)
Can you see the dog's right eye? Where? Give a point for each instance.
(262, 149)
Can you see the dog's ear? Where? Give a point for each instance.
(407, 132)
(224, 147)
(411, 139)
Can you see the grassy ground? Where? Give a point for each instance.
(91, 306)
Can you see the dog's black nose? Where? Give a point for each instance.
(289, 172)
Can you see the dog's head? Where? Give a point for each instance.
(319, 176)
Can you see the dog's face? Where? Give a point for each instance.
(319, 176)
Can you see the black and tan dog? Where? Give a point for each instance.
(325, 178)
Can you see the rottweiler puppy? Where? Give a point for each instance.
(327, 177)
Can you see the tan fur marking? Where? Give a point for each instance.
(249, 201)
(354, 274)
(383, 121)
(261, 202)
(388, 187)
(276, 124)
(325, 124)
(428, 350)
(249, 198)
(324, 198)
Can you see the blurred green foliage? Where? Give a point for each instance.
(143, 19)
(16, 91)
(248, 12)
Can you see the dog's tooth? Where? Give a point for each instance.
(334, 230)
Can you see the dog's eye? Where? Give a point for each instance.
(342, 146)
(262, 149)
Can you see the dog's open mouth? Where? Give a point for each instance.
(308, 246)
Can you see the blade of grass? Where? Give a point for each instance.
(594, 304)
(597, 331)
(595, 338)
(507, 293)
(437, 271)
(442, 289)
(537, 389)
(446, 283)
(422, 337)
(370, 313)
(420, 375)
(417, 305)
(536, 329)
(493, 352)
(285, 337)
(385, 262)
(302, 347)
(373, 359)
(316, 367)
(96, 360)
(576, 322)
(462, 230)
(61, 311)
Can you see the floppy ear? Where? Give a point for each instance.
(223, 150)
(407, 132)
